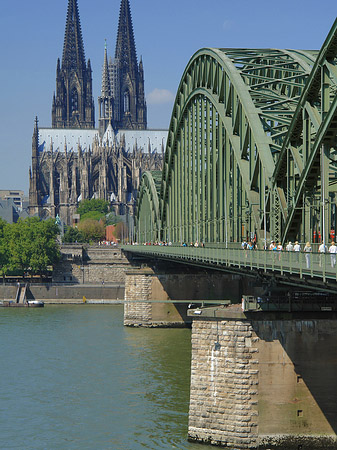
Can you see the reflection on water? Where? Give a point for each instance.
(72, 377)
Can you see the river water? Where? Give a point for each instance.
(72, 377)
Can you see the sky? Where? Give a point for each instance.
(167, 34)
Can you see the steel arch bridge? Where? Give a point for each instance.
(251, 150)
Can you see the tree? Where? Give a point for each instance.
(3, 247)
(73, 235)
(95, 204)
(31, 245)
(112, 219)
(92, 230)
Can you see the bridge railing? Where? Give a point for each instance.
(322, 265)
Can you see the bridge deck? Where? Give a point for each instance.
(315, 265)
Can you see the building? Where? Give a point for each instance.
(73, 161)
(17, 196)
(73, 104)
(122, 101)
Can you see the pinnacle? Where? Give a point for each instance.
(73, 49)
(125, 46)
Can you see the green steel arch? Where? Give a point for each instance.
(232, 111)
(147, 209)
(305, 178)
(251, 149)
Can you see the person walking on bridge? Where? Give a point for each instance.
(297, 249)
(322, 249)
(289, 247)
(333, 251)
(307, 250)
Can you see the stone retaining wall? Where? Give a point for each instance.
(96, 264)
(66, 294)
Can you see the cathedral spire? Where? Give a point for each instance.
(73, 106)
(105, 75)
(73, 48)
(125, 46)
(126, 99)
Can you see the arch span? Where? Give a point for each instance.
(231, 112)
(251, 149)
(148, 215)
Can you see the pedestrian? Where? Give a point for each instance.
(321, 250)
(307, 250)
(289, 247)
(297, 249)
(272, 245)
(333, 251)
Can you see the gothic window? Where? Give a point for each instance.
(106, 108)
(74, 100)
(126, 102)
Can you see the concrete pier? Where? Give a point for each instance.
(160, 299)
(262, 380)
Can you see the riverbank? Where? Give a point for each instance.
(68, 294)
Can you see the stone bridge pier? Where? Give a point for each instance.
(263, 380)
(155, 298)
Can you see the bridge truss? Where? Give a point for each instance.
(251, 149)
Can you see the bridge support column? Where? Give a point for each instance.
(160, 299)
(263, 381)
(142, 307)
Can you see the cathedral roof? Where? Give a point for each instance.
(153, 140)
(109, 135)
(145, 139)
(69, 137)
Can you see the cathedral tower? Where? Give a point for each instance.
(126, 78)
(73, 104)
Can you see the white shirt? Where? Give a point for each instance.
(322, 248)
(332, 249)
(297, 248)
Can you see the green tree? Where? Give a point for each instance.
(112, 219)
(3, 247)
(31, 245)
(92, 230)
(95, 204)
(95, 215)
(73, 235)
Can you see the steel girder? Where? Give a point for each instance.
(308, 159)
(245, 145)
(147, 215)
(232, 111)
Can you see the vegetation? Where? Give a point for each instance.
(92, 230)
(94, 217)
(73, 235)
(94, 205)
(28, 245)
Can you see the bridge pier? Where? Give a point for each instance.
(155, 298)
(263, 380)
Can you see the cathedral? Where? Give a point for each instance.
(74, 161)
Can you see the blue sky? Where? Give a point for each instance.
(167, 34)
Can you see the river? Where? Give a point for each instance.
(73, 377)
